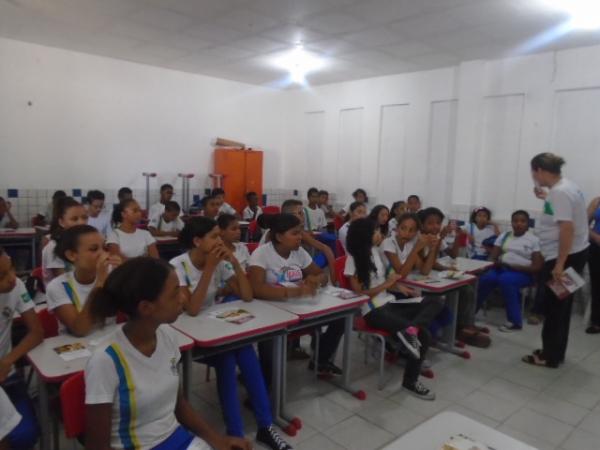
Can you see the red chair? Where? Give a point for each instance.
(338, 222)
(339, 249)
(72, 401)
(49, 323)
(252, 229)
(251, 246)
(271, 209)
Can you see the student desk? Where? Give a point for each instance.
(467, 265)
(52, 369)
(21, 237)
(317, 311)
(212, 336)
(435, 284)
(433, 433)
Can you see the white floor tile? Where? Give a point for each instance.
(564, 411)
(526, 438)
(320, 442)
(489, 406)
(581, 440)
(319, 412)
(591, 423)
(507, 390)
(539, 426)
(391, 417)
(356, 433)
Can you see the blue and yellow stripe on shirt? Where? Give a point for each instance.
(127, 403)
(72, 293)
(187, 274)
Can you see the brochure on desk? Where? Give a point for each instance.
(75, 350)
(237, 316)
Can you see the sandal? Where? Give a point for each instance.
(593, 329)
(474, 339)
(534, 319)
(535, 360)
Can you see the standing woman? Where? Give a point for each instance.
(594, 264)
(563, 233)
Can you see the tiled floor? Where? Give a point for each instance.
(549, 409)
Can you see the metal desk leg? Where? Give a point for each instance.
(44, 415)
(345, 381)
(187, 367)
(449, 335)
(276, 382)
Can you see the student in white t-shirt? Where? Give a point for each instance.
(127, 240)
(280, 270)
(97, 216)
(209, 271)
(68, 213)
(132, 397)
(7, 220)
(563, 230)
(231, 234)
(402, 250)
(166, 194)
(413, 203)
(82, 246)
(479, 228)
(314, 217)
(359, 195)
(380, 215)
(324, 204)
(398, 208)
(168, 223)
(15, 299)
(517, 257)
(252, 211)
(408, 323)
(357, 210)
(224, 207)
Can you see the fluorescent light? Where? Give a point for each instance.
(584, 14)
(299, 62)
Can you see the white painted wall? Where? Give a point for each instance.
(100, 122)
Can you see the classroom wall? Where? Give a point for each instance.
(101, 122)
(459, 137)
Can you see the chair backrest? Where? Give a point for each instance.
(340, 263)
(49, 323)
(338, 222)
(72, 402)
(252, 227)
(339, 248)
(271, 209)
(251, 246)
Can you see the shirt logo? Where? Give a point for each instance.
(290, 274)
(548, 208)
(7, 312)
(25, 297)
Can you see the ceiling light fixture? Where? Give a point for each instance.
(299, 62)
(584, 14)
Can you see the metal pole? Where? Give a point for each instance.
(148, 175)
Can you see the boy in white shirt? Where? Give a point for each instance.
(168, 223)
(97, 217)
(324, 204)
(224, 208)
(314, 217)
(166, 194)
(413, 203)
(252, 211)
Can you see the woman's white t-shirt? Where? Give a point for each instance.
(133, 244)
(279, 269)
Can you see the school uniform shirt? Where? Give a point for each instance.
(161, 225)
(343, 234)
(346, 209)
(15, 301)
(391, 245)
(9, 416)
(226, 208)
(517, 250)
(376, 278)
(476, 248)
(50, 261)
(249, 215)
(565, 202)
(4, 221)
(279, 269)
(392, 227)
(242, 254)
(157, 210)
(131, 244)
(314, 219)
(66, 290)
(142, 390)
(189, 276)
(101, 223)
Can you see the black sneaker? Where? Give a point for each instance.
(334, 370)
(326, 369)
(271, 439)
(419, 390)
(410, 341)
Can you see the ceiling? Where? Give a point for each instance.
(236, 39)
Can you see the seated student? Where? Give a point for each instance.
(167, 223)
(132, 393)
(324, 204)
(282, 269)
(357, 210)
(15, 299)
(413, 203)
(252, 211)
(97, 217)
(207, 271)
(314, 217)
(82, 247)
(380, 215)
(230, 235)
(166, 195)
(479, 229)
(359, 195)
(210, 207)
(398, 208)
(123, 194)
(224, 207)
(431, 225)
(517, 256)
(406, 322)
(49, 214)
(68, 213)
(7, 220)
(127, 240)
(403, 248)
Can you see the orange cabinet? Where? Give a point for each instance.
(242, 172)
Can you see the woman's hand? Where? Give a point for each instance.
(558, 272)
